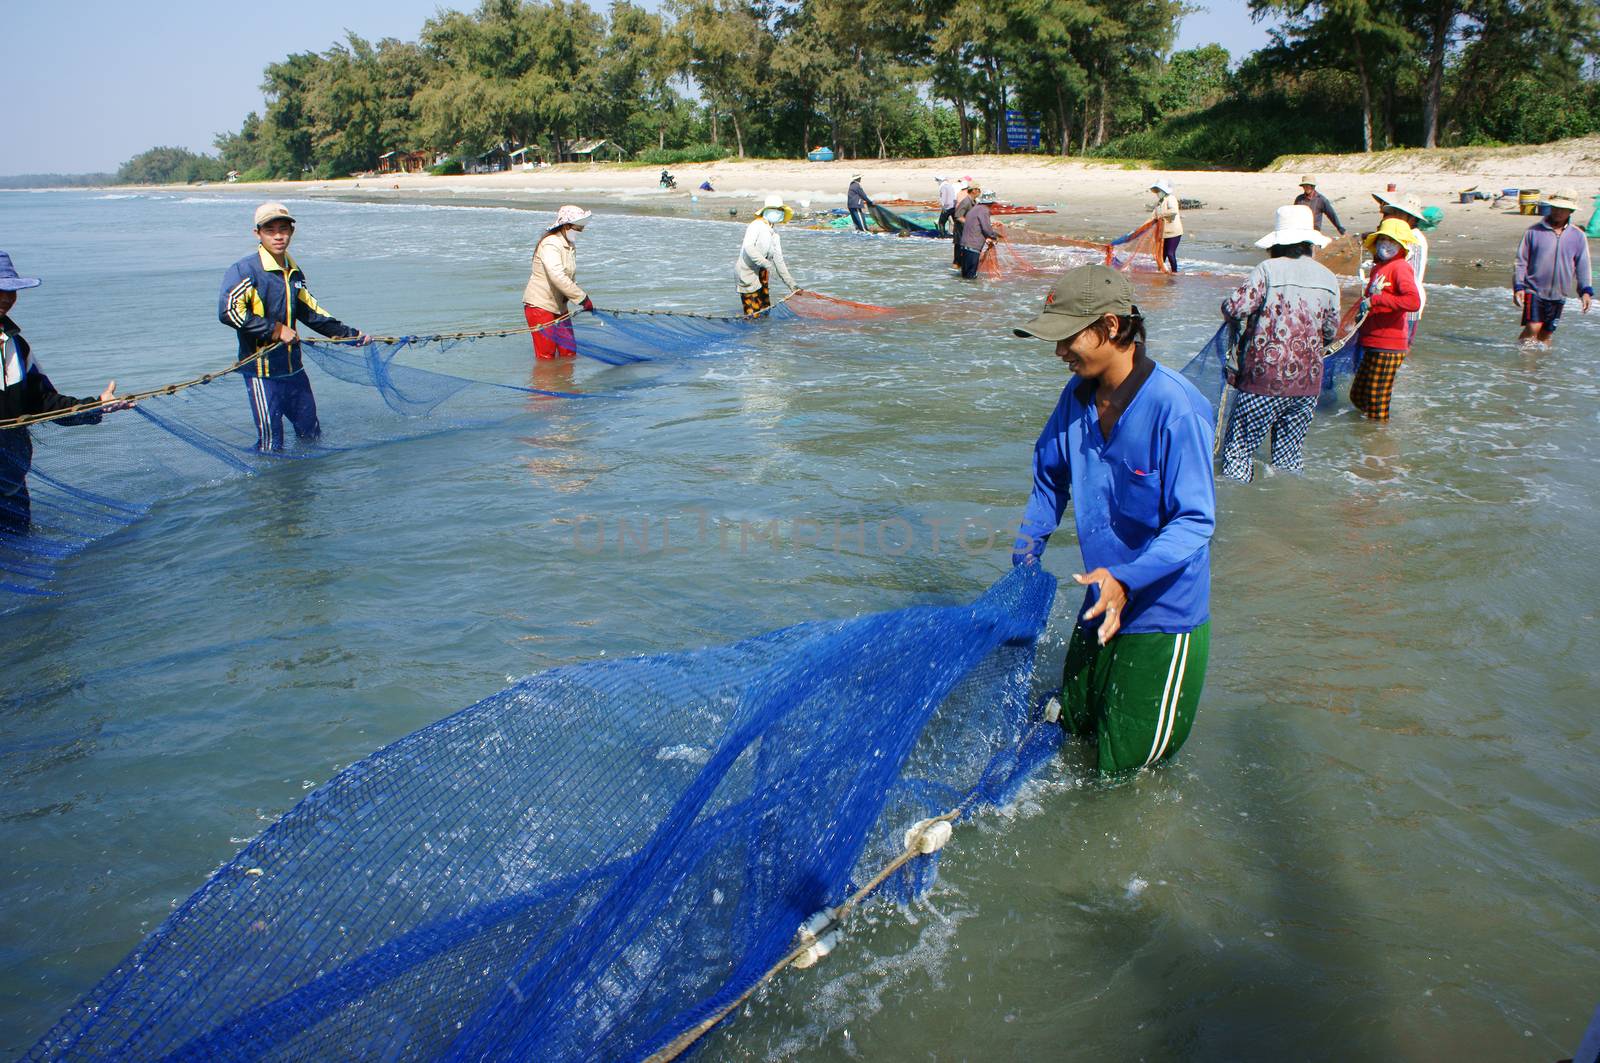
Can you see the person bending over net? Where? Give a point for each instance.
(553, 285)
(26, 392)
(977, 233)
(264, 298)
(761, 253)
(1288, 310)
(1129, 444)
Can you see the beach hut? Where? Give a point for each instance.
(592, 151)
(527, 157)
(495, 160)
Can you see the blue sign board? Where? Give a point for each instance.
(1022, 130)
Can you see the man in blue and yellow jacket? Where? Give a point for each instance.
(264, 298)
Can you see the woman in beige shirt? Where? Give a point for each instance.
(553, 285)
(1166, 209)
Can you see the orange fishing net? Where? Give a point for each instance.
(1342, 256)
(819, 307)
(1138, 251)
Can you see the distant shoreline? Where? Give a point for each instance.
(1093, 199)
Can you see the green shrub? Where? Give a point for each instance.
(1245, 132)
(256, 173)
(448, 168)
(678, 156)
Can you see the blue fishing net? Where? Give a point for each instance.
(87, 482)
(1207, 369)
(593, 861)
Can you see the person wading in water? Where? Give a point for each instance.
(1129, 445)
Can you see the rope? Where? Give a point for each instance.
(139, 396)
(171, 389)
(803, 944)
(685, 1040)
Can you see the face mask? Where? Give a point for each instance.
(773, 216)
(1385, 250)
(572, 233)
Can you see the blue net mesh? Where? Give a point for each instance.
(594, 860)
(86, 483)
(1207, 369)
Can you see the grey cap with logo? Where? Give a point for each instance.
(1079, 299)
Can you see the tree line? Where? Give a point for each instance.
(896, 78)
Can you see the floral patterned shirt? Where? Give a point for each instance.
(1295, 303)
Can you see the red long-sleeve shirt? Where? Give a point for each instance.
(1392, 293)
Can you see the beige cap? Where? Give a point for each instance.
(272, 212)
(1562, 200)
(1309, 180)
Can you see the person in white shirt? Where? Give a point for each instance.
(761, 253)
(948, 194)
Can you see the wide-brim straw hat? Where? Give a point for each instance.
(1563, 200)
(1293, 225)
(1407, 204)
(775, 201)
(1394, 229)
(1309, 180)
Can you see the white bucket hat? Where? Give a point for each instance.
(1163, 186)
(570, 215)
(1293, 225)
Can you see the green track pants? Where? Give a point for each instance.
(1136, 695)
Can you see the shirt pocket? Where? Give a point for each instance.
(1137, 495)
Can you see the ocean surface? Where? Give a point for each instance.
(1381, 841)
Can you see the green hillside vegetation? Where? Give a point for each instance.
(897, 78)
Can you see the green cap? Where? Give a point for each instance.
(1079, 299)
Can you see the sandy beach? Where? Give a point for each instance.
(1473, 244)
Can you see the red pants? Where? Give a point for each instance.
(550, 343)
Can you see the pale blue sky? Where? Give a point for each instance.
(93, 82)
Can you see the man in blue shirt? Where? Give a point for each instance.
(265, 299)
(1130, 445)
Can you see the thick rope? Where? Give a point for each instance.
(171, 389)
(138, 396)
(684, 1041)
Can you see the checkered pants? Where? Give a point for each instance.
(758, 301)
(1286, 416)
(1373, 386)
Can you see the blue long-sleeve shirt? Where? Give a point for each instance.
(1144, 501)
(258, 295)
(1551, 264)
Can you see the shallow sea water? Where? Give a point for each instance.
(1380, 840)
